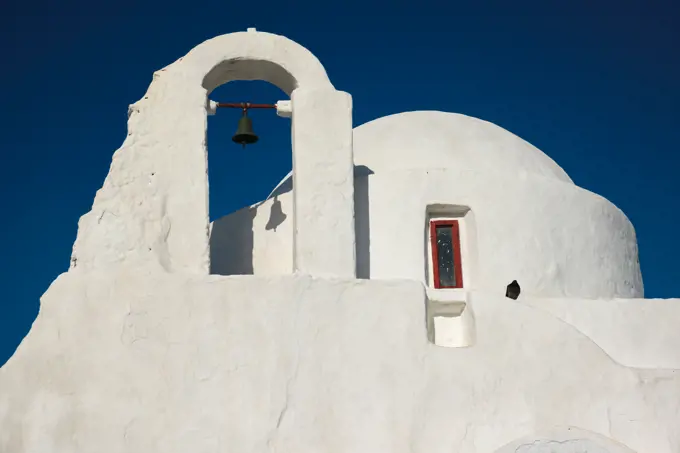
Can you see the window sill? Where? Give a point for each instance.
(447, 295)
(449, 324)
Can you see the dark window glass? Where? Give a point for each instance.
(446, 264)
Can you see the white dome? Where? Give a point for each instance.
(522, 217)
(431, 139)
(428, 139)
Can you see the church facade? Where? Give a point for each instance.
(425, 282)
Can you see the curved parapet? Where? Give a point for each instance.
(637, 333)
(253, 56)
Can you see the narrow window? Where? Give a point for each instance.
(446, 263)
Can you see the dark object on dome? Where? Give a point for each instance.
(513, 290)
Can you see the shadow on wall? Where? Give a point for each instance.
(232, 237)
(362, 224)
(231, 243)
(276, 215)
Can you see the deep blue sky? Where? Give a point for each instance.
(595, 87)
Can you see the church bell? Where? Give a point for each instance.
(244, 134)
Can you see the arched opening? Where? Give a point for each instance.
(249, 69)
(237, 176)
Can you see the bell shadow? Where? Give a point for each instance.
(276, 215)
(231, 237)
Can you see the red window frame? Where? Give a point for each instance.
(457, 262)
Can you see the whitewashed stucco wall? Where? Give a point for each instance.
(530, 222)
(136, 348)
(134, 361)
(638, 333)
(554, 239)
(254, 240)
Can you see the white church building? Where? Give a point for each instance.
(423, 283)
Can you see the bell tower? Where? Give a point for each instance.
(153, 208)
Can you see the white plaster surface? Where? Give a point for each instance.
(526, 221)
(640, 333)
(448, 331)
(153, 362)
(323, 238)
